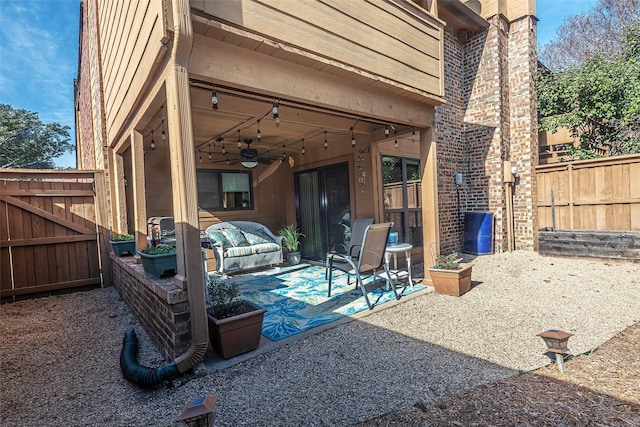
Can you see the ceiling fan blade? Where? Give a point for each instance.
(264, 160)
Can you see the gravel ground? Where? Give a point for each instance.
(60, 356)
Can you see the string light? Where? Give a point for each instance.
(386, 130)
(395, 144)
(239, 141)
(284, 154)
(303, 146)
(224, 152)
(200, 156)
(413, 134)
(259, 135)
(210, 157)
(214, 98)
(164, 134)
(353, 139)
(325, 139)
(153, 143)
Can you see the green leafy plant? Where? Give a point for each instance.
(291, 237)
(447, 262)
(123, 238)
(223, 296)
(159, 250)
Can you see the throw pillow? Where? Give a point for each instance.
(235, 237)
(263, 233)
(219, 238)
(254, 239)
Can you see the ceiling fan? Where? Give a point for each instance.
(250, 157)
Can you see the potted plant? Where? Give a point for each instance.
(158, 260)
(123, 244)
(448, 277)
(291, 241)
(235, 325)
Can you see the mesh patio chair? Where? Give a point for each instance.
(371, 260)
(355, 243)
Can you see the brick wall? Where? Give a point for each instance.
(524, 129)
(85, 124)
(489, 118)
(160, 306)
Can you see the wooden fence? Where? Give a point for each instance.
(49, 237)
(601, 194)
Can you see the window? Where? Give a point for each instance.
(224, 190)
(402, 196)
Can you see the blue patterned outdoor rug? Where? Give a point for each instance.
(296, 297)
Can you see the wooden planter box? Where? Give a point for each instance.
(236, 335)
(122, 247)
(157, 266)
(451, 282)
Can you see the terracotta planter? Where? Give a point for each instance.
(236, 335)
(122, 247)
(158, 265)
(451, 282)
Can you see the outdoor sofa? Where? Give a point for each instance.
(243, 245)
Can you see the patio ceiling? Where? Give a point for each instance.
(246, 112)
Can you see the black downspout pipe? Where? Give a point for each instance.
(138, 374)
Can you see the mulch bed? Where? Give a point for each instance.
(601, 388)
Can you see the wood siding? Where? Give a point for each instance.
(602, 194)
(48, 233)
(132, 34)
(393, 40)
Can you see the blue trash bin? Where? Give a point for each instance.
(478, 233)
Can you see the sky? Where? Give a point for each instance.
(39, 54)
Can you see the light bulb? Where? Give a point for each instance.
(386, 130)
(200, 157)
(153, 143)
(395, 145)
(275, 107)
(276, 117)
(325, 140)
(413, 134)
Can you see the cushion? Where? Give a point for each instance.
(219, 238)
(254, 239)
(261, 248)
(238, 251)
(264, 248)
(235, 237)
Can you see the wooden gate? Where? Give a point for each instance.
(49, 234)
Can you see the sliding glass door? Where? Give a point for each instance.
(323, 210)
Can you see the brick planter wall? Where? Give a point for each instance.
(160, 306)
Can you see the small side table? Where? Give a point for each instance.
(399, 275)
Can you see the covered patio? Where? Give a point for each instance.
(223, 111)
(220, 133)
